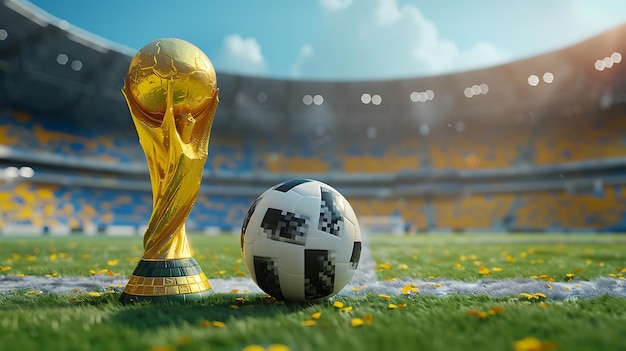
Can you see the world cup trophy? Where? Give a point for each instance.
(171, 92)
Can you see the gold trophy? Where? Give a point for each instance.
(171, 91)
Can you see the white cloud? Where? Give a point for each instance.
(386, 40)
(306, 51)
(242, 55)
(335, 5)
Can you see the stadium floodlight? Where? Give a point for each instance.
(533, 80)
(318, 100)
(548, 77)
(366, 98)
(307, 99)
(468, 92)
(76, 65)
(62, 59)
(599, 65)
(11, 172)
(429, 94)
(377, 99)
(26, 172)
(261, 96)
(616, 57)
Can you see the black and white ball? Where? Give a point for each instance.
(301, 241)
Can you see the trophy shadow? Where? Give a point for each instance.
(221, 307)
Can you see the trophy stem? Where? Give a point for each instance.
(176, 280)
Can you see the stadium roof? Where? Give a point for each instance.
(52, 68)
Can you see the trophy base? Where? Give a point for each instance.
(175, 280)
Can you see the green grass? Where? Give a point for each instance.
(34, 321)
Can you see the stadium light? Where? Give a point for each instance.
(548, 77)
(476, 89)
(307, 99)
(62, 59)
(26, 172)
(599, 65)
(12, 173)
(366, 98)
(377, 99)
(373, 99)
(422, 96)
(608, 61)
(318, 100)
(261, 96)
(76, 65)
(533, 80)
(3, 34)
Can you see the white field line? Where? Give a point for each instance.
(363, 282)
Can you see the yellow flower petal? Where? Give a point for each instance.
(387, 297)
(316, 315)
(531, 344)
(219, 324)
(479, 314)
(496, 309)
(94, 294)
(484, 270)
(357, 322)
(384, 266)
(392, 306)
(368, 318)
(410, 288)
(308, 323)
(338, 304)
(347, 309)
(277, 347)
(112, 262)
(253, 347)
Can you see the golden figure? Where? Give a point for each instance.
(171, 91)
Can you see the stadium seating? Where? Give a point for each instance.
(580, 137)
(561, 210)
(481, 144)
(47, 206)
(472, 212)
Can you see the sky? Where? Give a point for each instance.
(348, 39)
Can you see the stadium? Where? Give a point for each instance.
(536, 146)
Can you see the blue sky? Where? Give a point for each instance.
(348, 39)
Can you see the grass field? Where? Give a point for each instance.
(407, 319)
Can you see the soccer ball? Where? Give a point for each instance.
(301, 241)
(176, 63)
